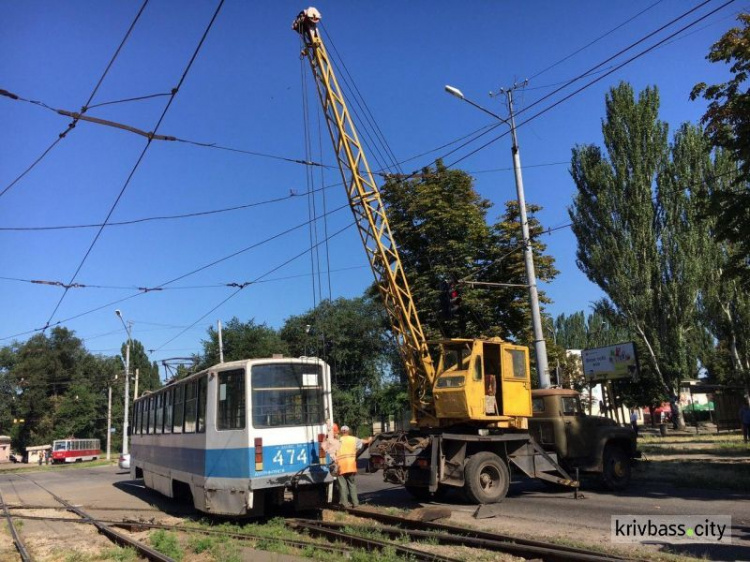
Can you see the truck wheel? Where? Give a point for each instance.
(487, 478)
(616, 473)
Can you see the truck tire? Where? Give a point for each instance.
(487, 478)
(616, 468)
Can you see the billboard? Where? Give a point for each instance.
(611, 362)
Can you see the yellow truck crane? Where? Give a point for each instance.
(469, 415)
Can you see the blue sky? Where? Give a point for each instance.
(245, 91)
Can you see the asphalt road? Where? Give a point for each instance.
(530, 508)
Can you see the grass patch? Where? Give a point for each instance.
(685, 473)
(119, 554)
(166, 543)
(706, 438)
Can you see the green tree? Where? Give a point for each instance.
(727, 122)
(440, 225)
(241, 340)
(724, 305)
(635, 218)
(148, 371)
(56, 387)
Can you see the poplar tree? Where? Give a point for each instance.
(635, 219)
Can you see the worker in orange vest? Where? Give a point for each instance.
(346, 461)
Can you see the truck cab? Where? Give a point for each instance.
(591, 444)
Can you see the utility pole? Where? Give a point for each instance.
(221, 343)
(540, 345)
(126, 417)
(109, 419)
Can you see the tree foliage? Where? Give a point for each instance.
(52, 388)
(350, 335)
(727, 122)
(635, 217)
(441, 227)
(241, 340)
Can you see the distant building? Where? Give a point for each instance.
(4, 448)
(33, 453)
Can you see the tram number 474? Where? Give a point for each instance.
(286, 457)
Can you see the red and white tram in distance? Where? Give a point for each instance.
(75, 450)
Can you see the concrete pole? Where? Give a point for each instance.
(109, 420)
(221, 343)
(540, 345)
(126, 420)
(135, 390)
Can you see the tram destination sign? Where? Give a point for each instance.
(611, 362)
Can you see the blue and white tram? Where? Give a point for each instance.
(238, 436)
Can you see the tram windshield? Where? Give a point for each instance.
(60, 446)
(287, 394)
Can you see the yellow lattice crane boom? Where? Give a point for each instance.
(470, 412)
(372, 222)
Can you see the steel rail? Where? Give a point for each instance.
(135, 526)
(17, 542)
(320, 529)
(547, 551)
(116, 537)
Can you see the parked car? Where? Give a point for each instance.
(124, 461)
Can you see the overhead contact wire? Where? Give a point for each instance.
(140, 158)
(72, 124)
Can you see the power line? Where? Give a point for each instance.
(587, 45)
(72, 124)
(276, 268)
(183, 276)
(585, 86)
(140, 159)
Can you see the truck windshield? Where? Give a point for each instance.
(456, 357)
(571, 406)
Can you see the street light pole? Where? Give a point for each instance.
(126, 417)
(540, 345)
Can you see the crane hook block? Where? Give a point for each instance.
(307, 20)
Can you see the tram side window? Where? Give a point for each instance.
(202, 388)
(191, 406)
(150, 428)
(141, 424)
(179, 404)
(168, 410)
(136, 418)
(140, 417)
(231, 400)
(159, 413)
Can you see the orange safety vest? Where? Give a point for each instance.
(347, 455)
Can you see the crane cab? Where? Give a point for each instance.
(483, 380)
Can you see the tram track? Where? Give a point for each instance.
(17, 542)
(104, 529)
(366, 529)
(396, 526)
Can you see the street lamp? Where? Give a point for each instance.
(540, 346)
(126, 419)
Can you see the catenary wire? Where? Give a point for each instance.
(139, 160)
(589, 84)
(72, 124)
(276, 268)
(590, 43)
